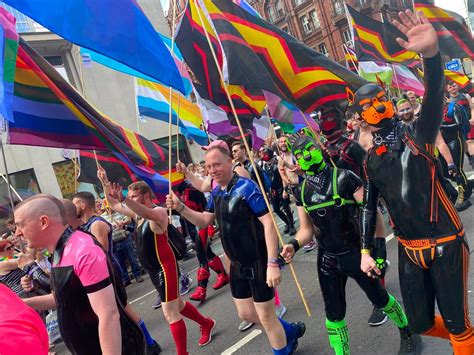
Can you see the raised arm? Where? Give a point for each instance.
(199, 219)
(198, 183)
(422, 38)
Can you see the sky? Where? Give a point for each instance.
(457, 6)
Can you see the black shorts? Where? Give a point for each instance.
(250, 281)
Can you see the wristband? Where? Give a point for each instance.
(296, 244)
(365, 251)
(272, 260)
(273, 265)
(181, 209)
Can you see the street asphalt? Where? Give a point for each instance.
(227, 339)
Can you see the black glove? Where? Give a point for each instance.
(452, 170)
(379, 254)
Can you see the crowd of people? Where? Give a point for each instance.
(402, 157)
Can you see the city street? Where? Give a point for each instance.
(228, 339)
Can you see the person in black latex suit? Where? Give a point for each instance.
(433, 252)
(280, 205)
(91, 318)
(327, 199)
(345, 152)
(250, 241)
(451, 130)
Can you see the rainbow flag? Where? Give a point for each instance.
(9, 48)
(153, 101)
(49, 112)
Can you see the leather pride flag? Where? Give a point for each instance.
(194, 47)
(376, 41)
(455, 40)
(260, 56)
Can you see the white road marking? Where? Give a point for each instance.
(389, 237)
(253, 334)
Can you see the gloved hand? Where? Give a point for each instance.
(452, 170)
(379, 254)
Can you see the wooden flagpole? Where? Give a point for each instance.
(249, 153)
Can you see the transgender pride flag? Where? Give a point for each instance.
(9, 48)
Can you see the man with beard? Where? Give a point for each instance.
(433, 252)
(102, 231)
(328, 199)
(91, 318)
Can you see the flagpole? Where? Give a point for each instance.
(346, 50)
(234, 112)
(170, 102)
(396, 78)
(136, 103)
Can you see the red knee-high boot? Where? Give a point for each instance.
(200, 292)
(222, 278)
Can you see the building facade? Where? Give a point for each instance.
(37, 169)
(322, 24)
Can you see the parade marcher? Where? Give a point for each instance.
(433, 252)
(250, 242)
(157, 257)
(280, 206)
(328, 198)
(195, 200)
(415, 102)
(91, 318)
(465, 101)
(103, 232)
(451, 131)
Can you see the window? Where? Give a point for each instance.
(347, 38)
(305, 24)
(280, 12)
(338, 8)
(286, 29)
(24, 184)
(323, 50)
(299, 2)
(314, 19)
(270, 13)
(23, 23)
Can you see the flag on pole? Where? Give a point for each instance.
(455, 39)
(49, 112)
(194, 47)
(376, 41)
(115, 28)
(9, 48)
(153, 101)
(260, 56)
(404, 79)
(371, 70)
(351, 59)
(289, 117)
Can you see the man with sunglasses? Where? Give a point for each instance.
(401, 168)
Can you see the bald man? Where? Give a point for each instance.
(83, 288)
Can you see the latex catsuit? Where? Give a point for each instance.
(236, 210)
(338, 240)
(401, 169)
(451, 130)
(77, 321)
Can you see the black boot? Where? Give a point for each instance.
(410, 344)
(287, 229)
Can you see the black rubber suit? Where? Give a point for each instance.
(79, 324)
(237, 209)
(345, 152)
(451, 130)
(338, 241)
(433, 252)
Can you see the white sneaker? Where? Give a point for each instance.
(244, 325)
(310, 246)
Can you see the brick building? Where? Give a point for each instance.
(322, 24)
